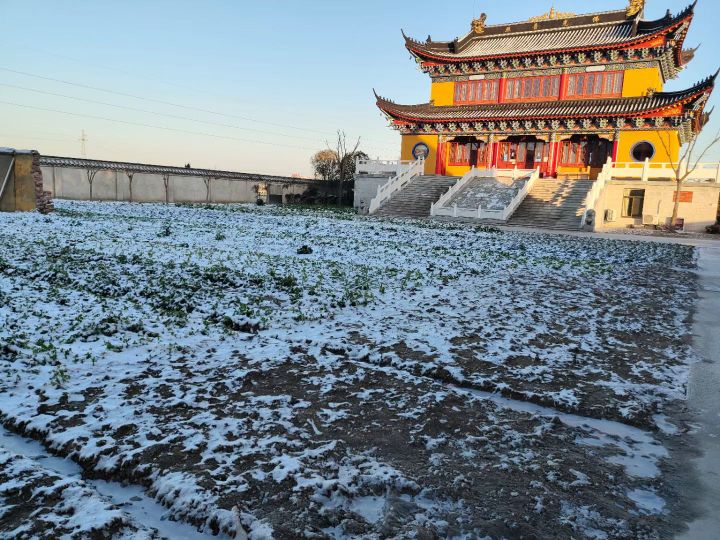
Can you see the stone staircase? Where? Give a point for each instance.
(553, 204)
(415, 198)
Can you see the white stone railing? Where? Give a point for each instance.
(455, 188)
(596, 190)
(645, 171)
(379, 167)
(441, 208)
(396, 183)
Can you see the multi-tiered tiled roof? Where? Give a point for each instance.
(607, 30)
(654, 105)
(554, 43)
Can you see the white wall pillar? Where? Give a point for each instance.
(645, 170)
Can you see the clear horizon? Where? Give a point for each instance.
(253, 87)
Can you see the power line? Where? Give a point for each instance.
(146, 111)
(112, 69)
(163, 102)
(175, 116)
(153, 100)
(127, 122)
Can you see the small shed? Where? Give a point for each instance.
(21, 182)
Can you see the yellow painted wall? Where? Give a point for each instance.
(573, 171)
(442, 93)
(670, 139)
(456, 170)
(409, 142)
(637, 82)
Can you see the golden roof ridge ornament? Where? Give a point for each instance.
(478, 25)
(552, 15)
(635, 7)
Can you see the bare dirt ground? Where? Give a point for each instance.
(400, 380)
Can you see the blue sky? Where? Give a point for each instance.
(282, 76)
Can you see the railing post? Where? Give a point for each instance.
(645, 170)
(455, 210)
(717, 173)
(479, 211)
(514, 174)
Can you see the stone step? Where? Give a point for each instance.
(415, 199)
(567, 202)
(555, 204)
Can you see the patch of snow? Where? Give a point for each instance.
(647, 501)
(371, 508)
(129, 499)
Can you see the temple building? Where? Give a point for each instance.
(560, 92)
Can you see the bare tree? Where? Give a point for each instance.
(166, 183)
(130, 176)
(91, 178)
(685, 165)
(208, 187)
(324, 164)
(345, 161)
(344, 156)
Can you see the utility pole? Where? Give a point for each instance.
(83, 139)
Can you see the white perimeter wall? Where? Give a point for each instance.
(72, 183)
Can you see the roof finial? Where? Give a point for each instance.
(552, 15)
(635, 7)
(478, 25)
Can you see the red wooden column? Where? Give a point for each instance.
(501, 89)
(563, 86)
(440, 158)
(556, 156)
(495, 154)
(490, 152)
(616, 145)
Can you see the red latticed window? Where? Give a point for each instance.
(588, 85)
(467, 153)
(584, 152)
(483, 91)
(534, 88)
(573, 153)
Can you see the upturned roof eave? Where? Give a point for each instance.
(423, 52)
(404, 112)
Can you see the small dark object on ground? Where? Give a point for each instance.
(304, 250)
(260, 202)
(487, 229)
(713, 229)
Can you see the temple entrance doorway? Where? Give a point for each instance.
(585, 153)
(524, 153)
(467, 152)
(530, 147)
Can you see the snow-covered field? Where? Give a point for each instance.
(395, 380)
